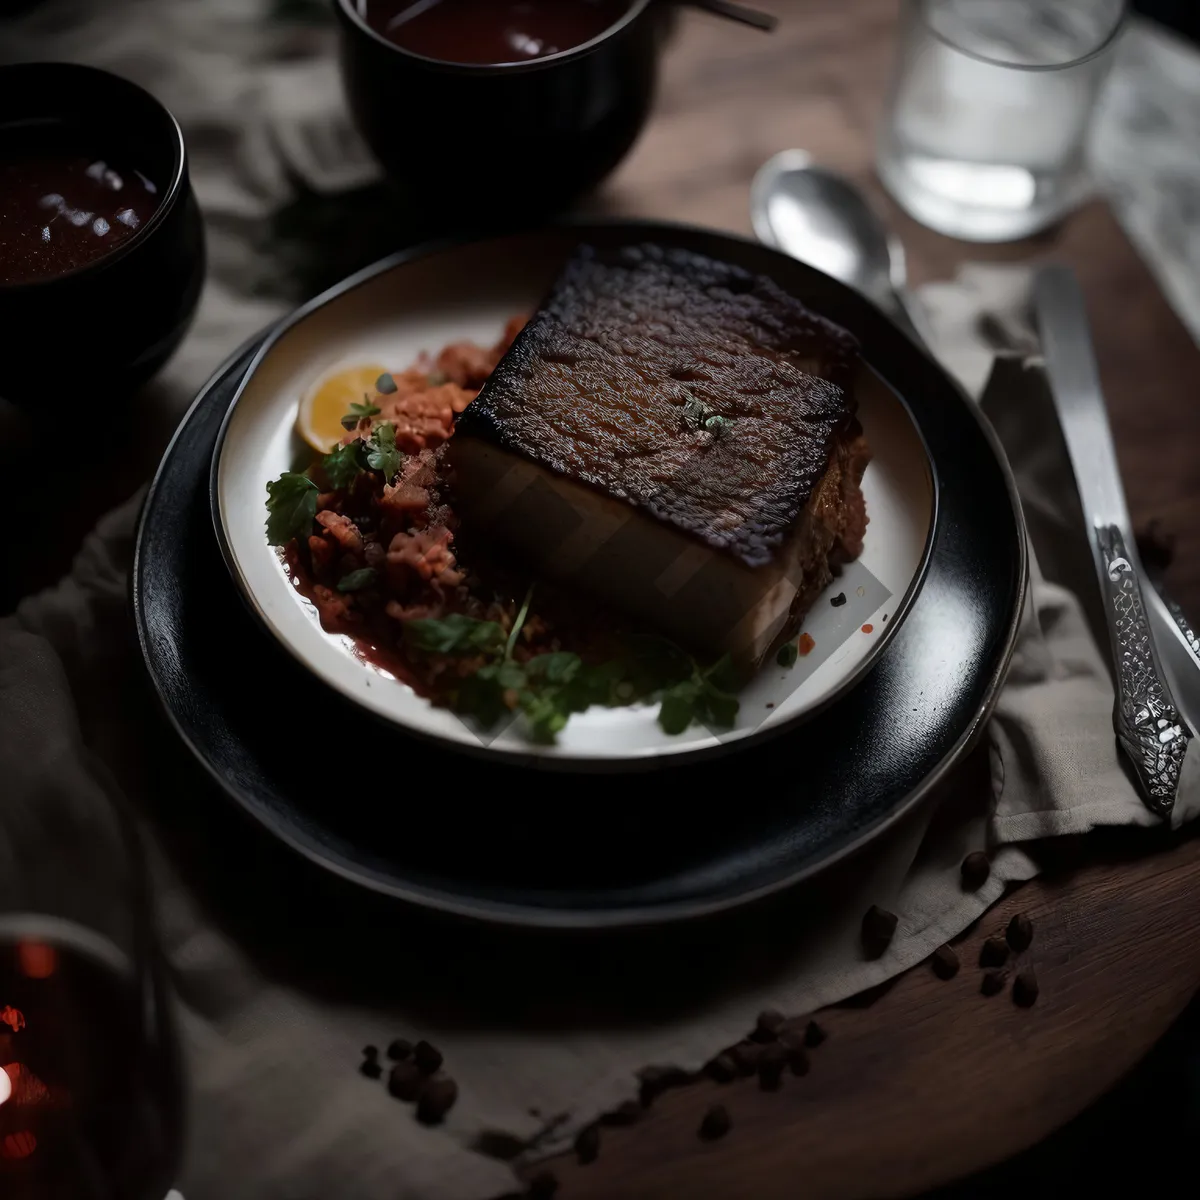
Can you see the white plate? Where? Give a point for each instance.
(390, 314)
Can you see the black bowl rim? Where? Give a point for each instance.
(178, 184)
(638, 227)
(346, 10)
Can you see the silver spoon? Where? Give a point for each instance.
(821, 218)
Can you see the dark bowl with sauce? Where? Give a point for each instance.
(101, 242)
(490, 112)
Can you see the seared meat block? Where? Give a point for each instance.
(676, 436)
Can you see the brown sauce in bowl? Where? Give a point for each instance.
(491, 31)
(64, 205)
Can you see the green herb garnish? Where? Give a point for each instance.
(343, 464)
(717, 424)
(788, 653)
(382, 454)
(706, 696)
(291, 507)
(549, 688)
(359, 411)
(385, 384)
(455, 634)
(357, 580)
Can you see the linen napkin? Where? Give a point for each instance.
(282, 975)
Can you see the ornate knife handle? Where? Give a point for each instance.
(1148, 725)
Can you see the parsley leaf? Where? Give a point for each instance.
(788, 653)
(382, 454)
(455, 634)
(343, 464)
(291, 507)
(385, 384)
(356, 580)
(358, 411)
(704, 696)
(679, 706)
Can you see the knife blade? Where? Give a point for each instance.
(1147, 721)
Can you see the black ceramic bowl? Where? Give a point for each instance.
(494, 144)
(110, 324)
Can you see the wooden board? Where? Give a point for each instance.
(930, 1080)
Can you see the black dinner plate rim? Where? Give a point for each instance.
(501, 911)
(639, 230)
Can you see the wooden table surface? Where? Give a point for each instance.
(930, 1080)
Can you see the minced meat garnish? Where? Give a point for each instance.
(369, 535)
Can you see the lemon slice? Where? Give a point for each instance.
(319, 421)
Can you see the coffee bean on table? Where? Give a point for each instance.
(399, 1049)
(1020, 932)
(716, 1123)
(626, 1113)
(992, 983)
(587, 1144)
(770, 1067)
(371, 1068)
(814, 1035)
(543, 1186)
(405, 1081)
(878, 929)
(436, 1100)
(427, 1057)
(792, 1042)
(722, 1068)
(657, 1079)
(370, 1052)
(1025, 988)
(945, 962)
(768, 1025)
(993, 953)
(975, 870)
(746, 1056)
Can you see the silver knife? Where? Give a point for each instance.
(1148, 724)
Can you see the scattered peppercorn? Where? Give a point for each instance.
(993, 952)
(1025, 988)
(427, 1057)
(722, 1068)
(626, 1113)
(768, 1025)
(716, 1123)
(770, 1067)
(975, 870)
(878, 929)
(587, 1144)
(404, 1081)
(1019, 932)
(436, 1100)
(945, 962)
(992, 983)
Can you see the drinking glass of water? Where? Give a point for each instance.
(989, 109)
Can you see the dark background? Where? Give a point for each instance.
(1182, 15)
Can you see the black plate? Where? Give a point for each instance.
(509, 843)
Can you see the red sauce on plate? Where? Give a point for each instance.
(63, 206)
(491, 31)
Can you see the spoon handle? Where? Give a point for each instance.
(736, 12)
